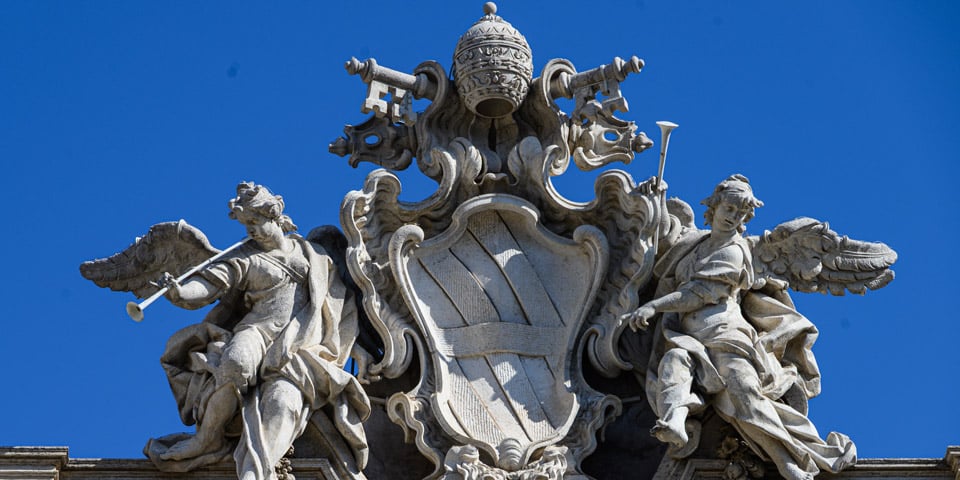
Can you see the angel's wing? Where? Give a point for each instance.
(682, 211)
(812, 258)
(168, 247)
(335, 243)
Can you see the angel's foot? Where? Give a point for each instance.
(792, 471)
(190, 448)
(671, 432)
(692, 427)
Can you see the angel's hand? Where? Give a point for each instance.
(367, 368)
(170, 282)
(774, 283)
(650, 186)
(639, 319)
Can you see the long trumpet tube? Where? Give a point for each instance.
(665, 129)
(135, 310)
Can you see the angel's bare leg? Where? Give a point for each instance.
(675, 397)
(237, 370)
(221, 408)
(671, 429)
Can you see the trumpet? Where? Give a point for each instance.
(135, 310)
(665, 129)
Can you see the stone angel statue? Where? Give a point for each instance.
(269, 356)
(728, 335)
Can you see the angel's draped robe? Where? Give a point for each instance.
(745, 352)
(292, 315)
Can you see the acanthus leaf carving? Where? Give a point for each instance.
(463, 463)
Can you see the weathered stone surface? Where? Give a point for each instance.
(467, 280)
(728, 337)
(489, 320)
(866, 468)
(493, 66)
(32, 463)
(53, 463)
(267, 363)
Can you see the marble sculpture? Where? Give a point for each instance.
(503, 292)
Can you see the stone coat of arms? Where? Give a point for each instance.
(497, 286)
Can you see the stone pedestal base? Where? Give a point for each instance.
(53, 463)
(946, 468)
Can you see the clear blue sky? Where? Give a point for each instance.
(115, 115)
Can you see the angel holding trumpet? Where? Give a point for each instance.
(726, 333)
(268, 356)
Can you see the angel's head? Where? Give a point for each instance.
(255, 207)
(731, 205)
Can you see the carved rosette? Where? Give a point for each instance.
(493, 66)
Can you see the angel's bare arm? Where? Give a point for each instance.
(679, 301)
(193, 294)
(682, 300)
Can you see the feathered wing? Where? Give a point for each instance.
(172, 247)
(810, 257)
(682, 212)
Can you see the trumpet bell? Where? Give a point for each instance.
(666, 126)
(134, 311)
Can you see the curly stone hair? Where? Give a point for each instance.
(258, 199)
(735, 190)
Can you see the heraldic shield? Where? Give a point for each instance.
(500, 307)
